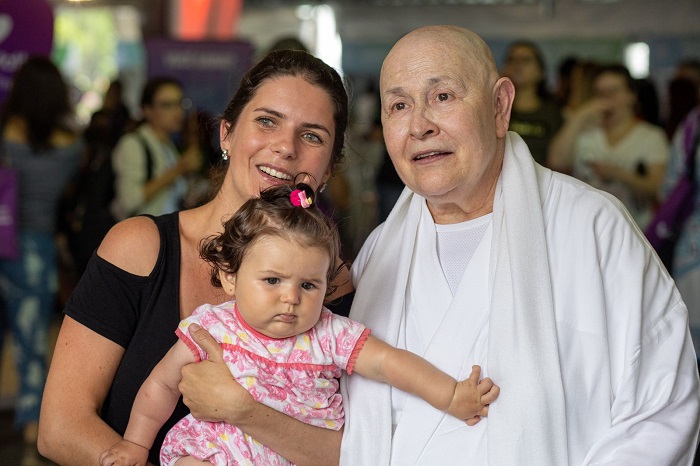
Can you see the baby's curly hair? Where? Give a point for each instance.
(272, 214)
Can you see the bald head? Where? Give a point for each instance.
(457, 43)
(445, 115)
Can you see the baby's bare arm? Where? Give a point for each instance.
(409, 372)
(153, 405)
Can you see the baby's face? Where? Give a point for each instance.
(280, 286)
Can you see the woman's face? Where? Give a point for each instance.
(166, 114)
(522, 67)
(287, 128)
(619, 100)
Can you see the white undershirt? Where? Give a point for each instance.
(456, 244)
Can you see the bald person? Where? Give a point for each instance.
(488, 258)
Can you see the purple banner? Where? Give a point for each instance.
(209, 71)
(26, 28)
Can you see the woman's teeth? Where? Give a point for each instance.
(274, 173)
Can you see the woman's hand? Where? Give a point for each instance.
(591, 114)
(208, 388)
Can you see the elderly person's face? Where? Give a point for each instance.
(443, 112)
(286, 129)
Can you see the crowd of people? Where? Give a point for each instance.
(511, 248)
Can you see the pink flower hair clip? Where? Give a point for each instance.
(303, 196)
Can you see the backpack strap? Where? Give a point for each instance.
(149, 155)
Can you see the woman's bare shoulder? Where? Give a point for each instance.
(132, 245)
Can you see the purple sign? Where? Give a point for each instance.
(26, 28)
(209, 71)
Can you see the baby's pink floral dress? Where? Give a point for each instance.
(296, 375)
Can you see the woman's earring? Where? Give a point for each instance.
(224, 155)
(322, 187)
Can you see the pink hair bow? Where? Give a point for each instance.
(300, 197)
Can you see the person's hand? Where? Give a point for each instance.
(208, 388)
(472, 398)
(605, 171)
(125, 453)
(591, 113)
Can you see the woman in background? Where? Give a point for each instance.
(535, 116)
(149, 170)
(605, 144)
(40, 141)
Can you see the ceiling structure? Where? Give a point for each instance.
(385, 20)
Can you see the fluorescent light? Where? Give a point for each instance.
(637, 59)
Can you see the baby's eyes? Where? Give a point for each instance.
(275, 281)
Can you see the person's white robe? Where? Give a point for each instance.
(453, 337)
(623, 387)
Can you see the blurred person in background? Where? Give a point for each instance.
(150, 173)
(686, 255)
(364, 155)
(85, 208)
(648, 107)
(689, 68)
(535, 116)
(605, 144)
(109, 123)
(40, 140)
(581, 86)
(683, 93)
(563, 86)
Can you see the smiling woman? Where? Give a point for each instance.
(288, 116)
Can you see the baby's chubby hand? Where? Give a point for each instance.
(472, 397)
(125, 453)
